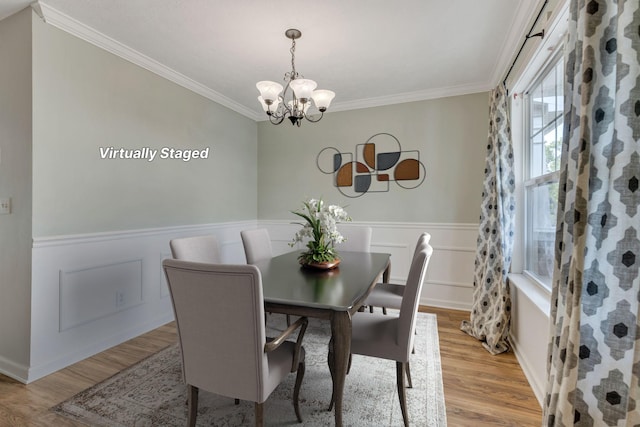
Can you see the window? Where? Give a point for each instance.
(544, 117)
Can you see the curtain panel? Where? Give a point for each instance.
(594, 352)
(491, 310)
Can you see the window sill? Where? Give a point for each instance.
(535, 292)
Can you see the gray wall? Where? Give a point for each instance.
(15, 182)
(86, 98)
(450, 134)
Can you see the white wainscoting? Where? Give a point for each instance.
(530, 329)
(91, 292)
(449, 280)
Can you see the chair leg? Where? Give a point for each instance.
(192, 398)
(384, 310)
(259, 414)
(288, 320)
(400, 373)
(237, 401)
(370, 309)
(296, 390)
(408, 372)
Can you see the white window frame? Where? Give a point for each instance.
(540, 180)
(534, 62)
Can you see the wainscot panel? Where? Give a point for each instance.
(93, 291)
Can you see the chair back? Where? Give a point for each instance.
(257, 245)
(357, 238)
(422, 242)
(219, 312)
(196, 249)
(411, 298)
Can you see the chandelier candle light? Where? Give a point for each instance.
(274, 100)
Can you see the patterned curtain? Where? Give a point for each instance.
(490, 314)
(594, 352)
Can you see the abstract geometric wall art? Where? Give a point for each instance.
(378, 162)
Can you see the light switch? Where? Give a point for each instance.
(5, 205)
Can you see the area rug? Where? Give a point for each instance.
(151, 393)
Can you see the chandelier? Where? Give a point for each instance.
(275, 101)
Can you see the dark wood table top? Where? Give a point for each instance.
(284, 281)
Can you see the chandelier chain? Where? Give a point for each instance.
(293, 58)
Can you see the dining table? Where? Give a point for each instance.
(332, 294)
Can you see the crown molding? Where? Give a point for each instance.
(524, 15)
(76, 28)
(423, 95)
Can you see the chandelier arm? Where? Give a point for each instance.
(312, 120)
(278, 119)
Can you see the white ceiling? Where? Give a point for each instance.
(370, 52)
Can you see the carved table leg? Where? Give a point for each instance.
(339, 350)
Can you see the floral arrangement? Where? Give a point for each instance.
(320, 228)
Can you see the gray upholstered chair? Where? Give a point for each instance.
(197, 249)
(357, 238)
(257, 245)
(219, 311)
(391, 336)
(389, 295)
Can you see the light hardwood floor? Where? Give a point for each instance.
(480, 389)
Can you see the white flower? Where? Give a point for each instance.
(326, 217)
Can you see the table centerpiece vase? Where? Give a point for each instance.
(322, 234)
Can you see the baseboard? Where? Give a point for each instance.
(538, 388)
(14, 370)
(78, 354)
(453, 305)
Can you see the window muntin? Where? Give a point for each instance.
(543, 150)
